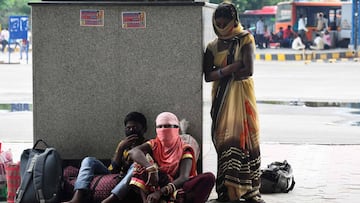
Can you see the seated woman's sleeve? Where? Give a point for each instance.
(187, 154)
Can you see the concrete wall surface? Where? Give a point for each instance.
(87, 78)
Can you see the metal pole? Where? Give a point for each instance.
(355, 23)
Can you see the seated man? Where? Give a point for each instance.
(318, 43)
(165, 167)
(288, 37)
(297, 44)
(135, 127)
(279, 36)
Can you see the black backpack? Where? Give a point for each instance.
(277, 178)
(41, 175)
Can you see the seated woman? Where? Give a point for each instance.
(165, 167)
(327, 40)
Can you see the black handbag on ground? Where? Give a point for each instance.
(277, 178)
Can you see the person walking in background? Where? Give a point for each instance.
(326, 21)
(165, 167)
(260, 31)
(321, 23)
(302, 30)
(4, 36)
(135, 127)
(24, 47)
(267, 37)
(228, 63)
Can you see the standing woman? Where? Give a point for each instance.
(228, 62)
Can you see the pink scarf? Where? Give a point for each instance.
(167, 146)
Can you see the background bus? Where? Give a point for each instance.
(288, 14)
(345, 32)
(250, 17)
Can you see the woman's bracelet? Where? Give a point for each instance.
(220, 73)
(173, 187)
(169, 189)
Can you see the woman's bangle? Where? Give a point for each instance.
(220, 73)
(172, 186)
(169, 189)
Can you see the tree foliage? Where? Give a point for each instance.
(13, 7)
(243, 5)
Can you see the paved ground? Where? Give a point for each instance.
(323, 173)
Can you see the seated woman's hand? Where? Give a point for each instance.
(153, 178)
(154, 197)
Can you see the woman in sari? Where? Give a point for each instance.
(165, 167)
(228, 62)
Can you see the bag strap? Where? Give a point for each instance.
(97, 182)
(38, 141)
(27, 177)
(292, 185)
(93, 189)
(39, 168)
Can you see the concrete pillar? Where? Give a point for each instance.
(88, 74)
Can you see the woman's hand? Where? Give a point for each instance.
(233, 68)
(153, 178)
(154, 197)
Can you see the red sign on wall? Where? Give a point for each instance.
(91, 17)
(134, 19)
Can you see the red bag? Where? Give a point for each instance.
(3, 193)
(13, 180)
(100, 186)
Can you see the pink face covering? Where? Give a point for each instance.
(167, 136)
(168, 147)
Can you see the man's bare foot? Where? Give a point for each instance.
(111, 199)
(78, 197)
